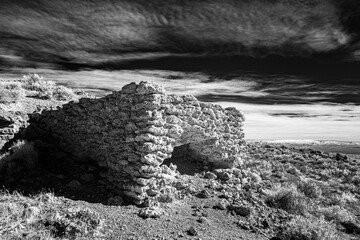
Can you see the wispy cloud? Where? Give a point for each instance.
(93, 32)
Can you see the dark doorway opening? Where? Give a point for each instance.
(185, 159)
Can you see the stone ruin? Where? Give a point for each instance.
(131, 132)
(10, 124)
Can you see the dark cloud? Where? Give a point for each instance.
(79, 33)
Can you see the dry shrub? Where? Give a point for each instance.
(10, 92)
(61, 93)
(336, 214)
(288, 198)
(343, 199)
(35, 83)
(45, 217)
(309, 188)
(46, 89)
(300, 228)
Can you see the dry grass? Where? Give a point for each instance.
(45, 217)
(300, 228)
(62, 93)
(309, 189)
(288, 198)
(336, 214)
(37, 87)
(33, 85)
(314, 219)
(10, 92)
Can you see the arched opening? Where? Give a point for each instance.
(187, 160)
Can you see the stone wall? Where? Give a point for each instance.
(10, 124)
(132, 131)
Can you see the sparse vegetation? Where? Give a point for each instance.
(46, 89)
(62, 93)
(289, 199)
(33, 85)
(318, 202)
(10, 92)
(309, 188)
(301, 228)
(45, 217)
(336, 214)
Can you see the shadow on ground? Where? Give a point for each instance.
(56, 172)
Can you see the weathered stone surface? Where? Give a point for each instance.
(150, 212)
(10, 123)
(192, 231)
(240, 210)
(132, 131)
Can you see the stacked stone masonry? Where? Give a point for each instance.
(132, 131)
(10, 124)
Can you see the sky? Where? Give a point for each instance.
(292, 66)
(95, 33)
